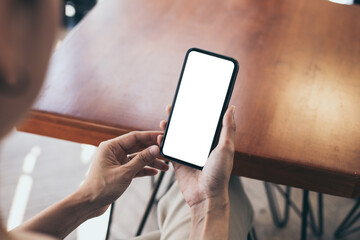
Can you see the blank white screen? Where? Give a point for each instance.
(197, 108)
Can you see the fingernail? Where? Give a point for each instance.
(154, 150)
(158, 139)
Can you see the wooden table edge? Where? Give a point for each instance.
(68, 128)
(336, 180)
(81, 131)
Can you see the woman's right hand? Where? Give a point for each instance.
(206, 191)
(212, 182)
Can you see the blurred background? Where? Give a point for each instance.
(37, 171)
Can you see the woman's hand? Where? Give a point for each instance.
(212, 182)
(206, 191)
(116, 163)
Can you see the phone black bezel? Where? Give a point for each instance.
(225, 105)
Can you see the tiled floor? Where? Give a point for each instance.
(60, 166)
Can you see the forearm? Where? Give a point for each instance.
(210, 219)
(61, 218)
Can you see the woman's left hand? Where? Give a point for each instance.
(116, 163)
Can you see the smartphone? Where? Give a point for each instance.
(201, 99)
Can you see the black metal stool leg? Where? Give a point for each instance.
(305, 213)
(110, 219)
(150, 204)
(252, 234)
(318, 229)
(305, 210)
(279, 221)
(345, 227)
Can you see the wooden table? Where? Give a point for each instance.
(297, 94)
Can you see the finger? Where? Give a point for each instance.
(183, 171)
(160, 165)
(159, 139)
(133, 141)
(175, 165)
(163, 124)
(228, 130)
(144, 158)
(147, 172)
(168, 108)
(131, 156)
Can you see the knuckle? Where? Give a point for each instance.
(104, 145)
(142, 158)
(233, 126)
(228, 143)
(134, 133)
(136, 136)
(146, 158)
(129, 135)
(227, 146)
(108, 146)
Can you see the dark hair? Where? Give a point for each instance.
(18, 88)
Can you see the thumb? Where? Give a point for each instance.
(223, 155)
(144, 158)
(228, 130)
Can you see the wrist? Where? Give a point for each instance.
(210, 206)
(210, 219)
(86, 206)
(63, 217)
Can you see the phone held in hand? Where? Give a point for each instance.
(202, 96)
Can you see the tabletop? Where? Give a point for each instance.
(297, 94)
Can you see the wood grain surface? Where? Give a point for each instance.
(297, 94)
